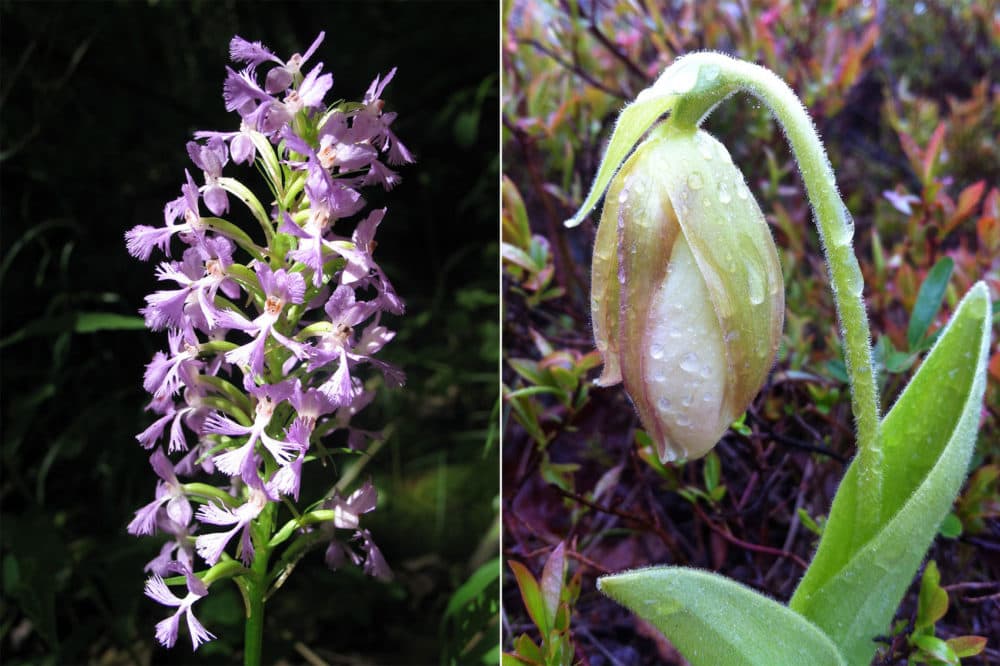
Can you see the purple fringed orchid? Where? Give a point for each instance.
(166, 630)
(248, 414)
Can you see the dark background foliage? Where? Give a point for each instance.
(905, 96)
(97, 102)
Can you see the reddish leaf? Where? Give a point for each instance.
(552, 581)
(967, 202)
(912, 150)
(967, 646)
(995, 366)
(932, 152)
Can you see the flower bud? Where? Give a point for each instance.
(687, 296)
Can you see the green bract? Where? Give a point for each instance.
(686, 291)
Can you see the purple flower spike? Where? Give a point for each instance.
(249, 411)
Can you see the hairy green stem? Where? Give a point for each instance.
(718, 77)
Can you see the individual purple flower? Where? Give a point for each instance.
(201, 274)
(168, 492)
(210, 546)
(310, 404)
(288, 478)
(166, 630)
(371, 121)
(280, 288)
(211, 157)
(242, 94)
(141, 239)
(241, 148)
(243, 461)
(176, 416)
(325, 191)
(178, 550)
(255, 53)
(164, 373)
(347, 512)
(361, 266)
(375, 564)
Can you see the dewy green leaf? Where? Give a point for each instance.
(929, 300)
(715, 621)
(856, 580)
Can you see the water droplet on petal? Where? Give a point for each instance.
(695, 181)
(656, 350)
(724, 196)
(703, 146)
(663, 404)
(689, 362)
(756, 286)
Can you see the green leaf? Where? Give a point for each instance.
(951, 527)
(715, 621)
(92, 322)
(932, 602)
(932, 646)
(531, 594)
(475, 587)
(854, 584)
(929, 300)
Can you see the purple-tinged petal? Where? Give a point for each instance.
(254, 53)
(198, 633)
(216, 199)
(217, 424)
(278, 80)
(145, 518)
(374, 91)
(312, 47)
(141, 239)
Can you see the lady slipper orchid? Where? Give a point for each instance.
(686, 294)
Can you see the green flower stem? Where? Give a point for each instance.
(239, 236)
(718, 77)
(255, 588)
(209, 492)
(241, 192)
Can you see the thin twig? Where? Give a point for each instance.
(757, 548)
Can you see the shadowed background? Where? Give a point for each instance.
(97, 102)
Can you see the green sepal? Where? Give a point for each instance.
(855, 582)
(715, 621)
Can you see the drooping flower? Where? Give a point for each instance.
(686, 291)
(169, 495)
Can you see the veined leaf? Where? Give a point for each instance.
(715, 621)
(855, 582)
